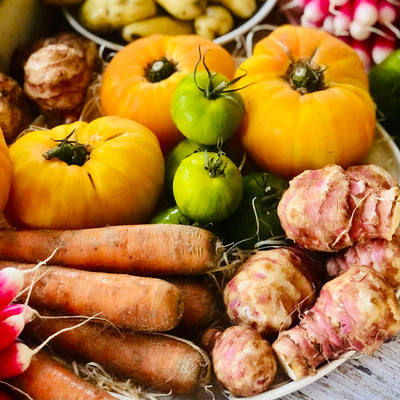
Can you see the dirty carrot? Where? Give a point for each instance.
(159, 361)
(127, 301)
(47, 379)
(150, 249)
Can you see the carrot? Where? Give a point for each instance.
(200, 304)
(155, 360)
(150, 249)
(46, 379)
(127, 301)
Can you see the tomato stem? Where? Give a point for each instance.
(305, 78)
(160, 70)
(69, 151)
(214, 165)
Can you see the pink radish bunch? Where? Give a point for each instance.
(14, 355)
(371, 27)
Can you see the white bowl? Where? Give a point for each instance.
(116, 45)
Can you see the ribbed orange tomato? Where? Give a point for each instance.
(307, 103)
(140, 79)
(82, 175)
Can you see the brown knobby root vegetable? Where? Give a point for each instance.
(216, 21)
(357, 311)
(126, 301)
(239, 8)
(148, 249)
(271, 289)
(160, 24)
(15, 112)
(183, 9)
(57, 75)
(108, 15)
(380, 254)
(243, 361)
(329, 209)
(162, 362)
(47, 379)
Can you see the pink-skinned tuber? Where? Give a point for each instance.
(380, 254)
(271, 289)
(243, 361)
(356, 311)
(329, 209)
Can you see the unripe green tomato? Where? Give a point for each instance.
(203, 115)
(207, 187)
(171, 215)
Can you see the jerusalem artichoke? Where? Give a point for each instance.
(239, 8)
(380, 254)
(243, 360)
(357, 311)
(216, 21)
(183, 9)
(270, 289)
(330, 208)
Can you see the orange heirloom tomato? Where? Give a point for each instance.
(140, 80)
(81, 175)
(5, 172)
(307, 103)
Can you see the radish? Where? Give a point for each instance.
(10, 329)
(316, 10)
(366, 12)
(327, 24)
(363, 49)
(17, 309)
(342, 19)
(15, 359)
(383, 45)
(11, 283)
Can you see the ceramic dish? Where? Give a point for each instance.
(115, 43)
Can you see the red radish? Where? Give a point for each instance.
(342, 19)
(363, 49)
(383, 45)
(327, 24)
(386, 12)
(17, 309)
(366, 12)
(10, 329)
(306, 22)
(11, 283)
(15, 359)
(359, 31)
(316, 10)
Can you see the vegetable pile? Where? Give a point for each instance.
(176, 221)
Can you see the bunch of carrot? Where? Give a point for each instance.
(371, 27)
(138, 293)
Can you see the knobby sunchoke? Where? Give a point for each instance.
(357, 310)
(271, 288)
(380, 254)
(243, 361)
(58, 73)
(331, 208)
(15, 113)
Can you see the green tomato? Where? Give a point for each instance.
(175, 157)
(207, 187)
(171, 215)
(256, 218)
(384, 82)
(205, 109)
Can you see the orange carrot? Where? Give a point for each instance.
(127, 301)
(161, 362)
(200, 304)
(46, 379)
(150, 249)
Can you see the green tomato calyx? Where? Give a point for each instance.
(160, 70)
(70, 151)
(215, 165)
(212, 91)
(306, 78)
